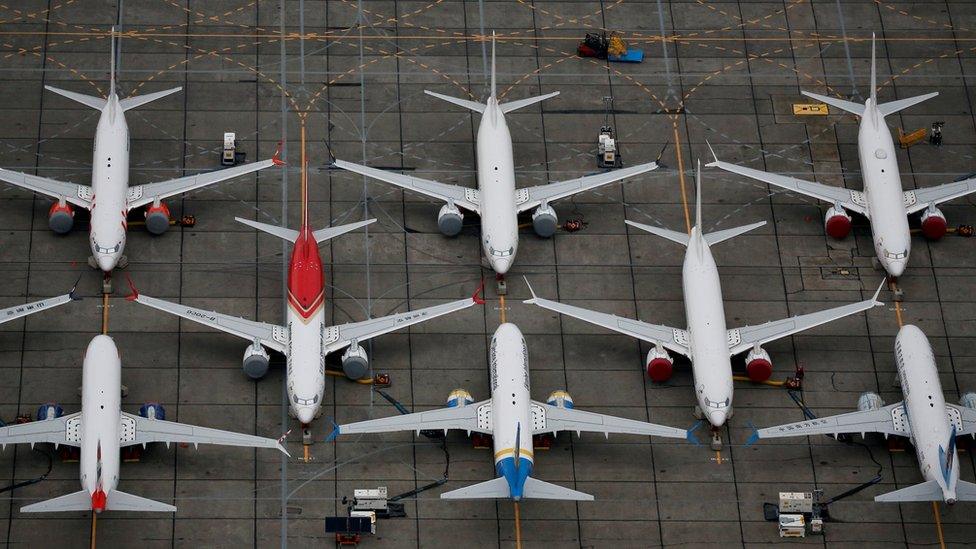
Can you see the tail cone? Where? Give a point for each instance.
(99, 500)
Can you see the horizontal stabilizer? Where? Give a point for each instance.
(121, 501)
(521, 103)
(539, 489)
(926, 491)
(491, 489)
(901, 104)
(472, 105)
(96, 103)
(674, 236)
(140, 100)
(965, 491)
(285, 233)
(77, 501)
(722, 236)
(329, 233)
(849, 106)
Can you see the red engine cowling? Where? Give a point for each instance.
(61, 217)
(837, 223)
(934, 223)
(659, 365)
(759, 367)
(157, 218)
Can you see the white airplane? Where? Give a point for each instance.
(706, 341)
(883, 201)
(110, 198)
(496, 199)
(512, 421)
(101, 428)
(924, 417)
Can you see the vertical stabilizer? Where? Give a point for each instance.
(698, 196)
(493, 86)
(874, 73)
(111, 69)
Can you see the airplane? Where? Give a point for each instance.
(101, 429)
(706, 341)
(882, 201)
(924, 417)
(512, 421)
(110, 180)
(496, 199)
(306, 338)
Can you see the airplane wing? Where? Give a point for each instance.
(136, 429)
(674, 339)
(463, 197)
(271, 336)
(471, 418)
(79, 195)
(64, 430)
(741, 339)
(887, 420)
(344, 335)
(964, 418)
(919, 199)
(19, 311)
(140, 195)
(850, 200)
(552, 419)
(528, 198)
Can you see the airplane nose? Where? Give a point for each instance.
(896, 268)
(501, 265)
(106, 262)
(717, 418)
(305, 414)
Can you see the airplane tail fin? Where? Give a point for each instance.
(96, 103)
(122, 501)
(491, 489)
(538, 489)
(470, 105)
(291, 235)
(140, 100)
(83, 501)
(723, 235)
(925, 491)
(494, 88)
(874, 71)
(894, 106)
(673, 236)
(532, 489)
(965, 491)
(111, 66)
(77, 501)
(849, 106)
(698, 195)
(329, 233)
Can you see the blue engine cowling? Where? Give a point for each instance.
(50, 410)
(560, 399)
(459, 398)
(152, 410)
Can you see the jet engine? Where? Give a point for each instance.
(355, 363)
(256, 360)
(968, 400)
(758, 365)
(152, 410)
(659, 365)
(837, 223)
(61, 217)
(869, 401)
(459, 398)
(50, 410)
(544, 221)
(560, 399)
(934, 223)
(449, 220)
(157, 218)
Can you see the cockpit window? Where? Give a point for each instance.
(305, 401)
(715, 404)
(104, 249)
(501, 253)
(891, 255)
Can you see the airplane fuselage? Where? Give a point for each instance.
(926, 409)
(306, 325)
(496, 184)
(101, 401)
(110, 185)
(705, 314)
(883, 191)
(511, 407)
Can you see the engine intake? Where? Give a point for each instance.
(355, 363)
(869, 401)
(544, 221)
(152, 410)
(659, 365)
(837, 223)
(450, 220)
(934, 223)
(459, 398)
(61, 217)
(50, 410)
(157, 219)
(758, 365)
(560, 399)
(968, 400)
(256, 361)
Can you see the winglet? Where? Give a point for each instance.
(277, 156)
(661, 154)
(878, 292)
(335, 432)
(753, 437)
(715, 156)
(135, 292)
(283, 451)
(531, 291)
(476, 296)
(690, 435)
(72, 293)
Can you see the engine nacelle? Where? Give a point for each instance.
(869, 401)
(659, 365)
(61, 217)
(560, 399)
(758, 365)
(355, 363)
(968, 400)
(157, 219)
(837, 223)
(152, 410)
(459, 398)
(544, 221)
(934, 223)
(450, 220)
(50, 410)
(255, 361)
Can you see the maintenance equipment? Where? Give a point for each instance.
(935, 138)
(607, 155)
(792, 526)
(612, 49)
(231, 156)
(908, 139)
